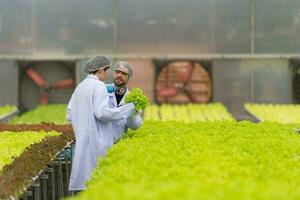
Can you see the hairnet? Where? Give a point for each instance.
(96, 62)
(123, 64)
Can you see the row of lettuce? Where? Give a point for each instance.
(212, 157)
(208, 158)
(188, 112)
(56, 113)
(14, 143)
(281, 113)
(52, 113)
(203, 160)
(288, 113)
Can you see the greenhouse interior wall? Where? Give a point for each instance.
(251, 44)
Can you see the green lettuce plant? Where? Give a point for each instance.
(200, 160)
(282, 113)
(51, 113)
(137, 96)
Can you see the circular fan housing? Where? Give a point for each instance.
(183, 82)
(31, 94)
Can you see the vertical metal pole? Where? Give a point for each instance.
(36, 189)
(212, 24)
(58, 178)
(251, 81)
(44, 178)
(27, 194)
(115, 27)
(33, 25)
(61, 182)
(24, 197)
(50, 172)
(252, 26)
(252, 46)
(290, 83)
(67, 161)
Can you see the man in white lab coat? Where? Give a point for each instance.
(91, 118)
(122, 72)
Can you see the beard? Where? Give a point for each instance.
(119, 84)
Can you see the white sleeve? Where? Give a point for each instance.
(69, 111)
(102, 110)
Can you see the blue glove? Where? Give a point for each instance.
(110, 88)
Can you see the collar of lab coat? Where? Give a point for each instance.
(122, 102)
(92, 76)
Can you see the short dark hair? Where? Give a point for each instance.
(94, 72)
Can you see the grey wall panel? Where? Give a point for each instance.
(236, 82)
(169, 26)
(231, 30)
(8, 82)
(127, 26)
(271, 81)
(56, 27)
(231, 84)
(63, 27)
(16, 27)
(277, 26)
(73, 26)
(175, 26)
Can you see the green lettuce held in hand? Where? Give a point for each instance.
(138, 98)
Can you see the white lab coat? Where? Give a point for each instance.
(90, 115)
(121, 126)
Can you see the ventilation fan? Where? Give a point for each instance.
(183, 82)
(44, 81)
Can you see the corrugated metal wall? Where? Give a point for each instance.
(38, 27)
(9, 82)
(238, 81)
